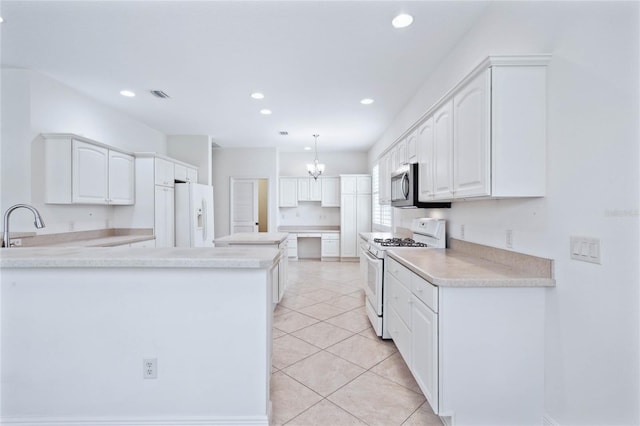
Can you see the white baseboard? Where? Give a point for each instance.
(147, 421)
(548, 421)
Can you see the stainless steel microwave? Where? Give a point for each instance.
(404, 189)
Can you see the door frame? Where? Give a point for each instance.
(239, 178)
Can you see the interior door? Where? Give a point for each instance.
(244, 205)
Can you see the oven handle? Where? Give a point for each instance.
(371, 257)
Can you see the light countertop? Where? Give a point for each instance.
(310, 228)
(92, 238)
(102, 242)
(125, 257)
(252, 238)
(458, 268)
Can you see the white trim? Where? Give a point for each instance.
(136, 421)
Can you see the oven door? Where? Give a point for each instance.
(373, 284)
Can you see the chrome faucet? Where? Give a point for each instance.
(39, 223)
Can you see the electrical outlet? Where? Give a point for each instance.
(509, 238)
(462, 232)
(15, 242)
(150, 368)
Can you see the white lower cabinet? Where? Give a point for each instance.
(424, 349)
(283, 272)
(477, 353)
(292, 244)
(330, 245)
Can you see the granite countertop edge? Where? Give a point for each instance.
(484, 266)
(103, 257)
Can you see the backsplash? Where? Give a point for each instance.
(309, 213)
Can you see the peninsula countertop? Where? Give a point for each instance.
(252, 238)
(124, 257)
(480, 266)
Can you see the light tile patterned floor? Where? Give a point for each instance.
(329, 367)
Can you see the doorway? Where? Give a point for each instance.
(249, 206)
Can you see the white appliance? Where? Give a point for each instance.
(427, 233)
(194, 215)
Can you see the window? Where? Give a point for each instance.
(381, 214)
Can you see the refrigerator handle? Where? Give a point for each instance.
(204, 220)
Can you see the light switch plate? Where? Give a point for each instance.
(585, 249)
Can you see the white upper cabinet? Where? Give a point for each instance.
(443, 151)
(412, 148)
(330, 192)
(192, 175)
(288, 192)
(309, 189)
(81, 171)
(424, 141)
(486, 138)
(164, 172)
(180, 172)
(363, 184)
(401, 154)
(121, 178)
(471, 138)
(90, 173)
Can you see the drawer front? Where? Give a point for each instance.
(400, 334)
(425, 291)
(398, 271)
(332, 236)
(399, 298)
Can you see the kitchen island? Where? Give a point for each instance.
(78, 324)
(277, 240)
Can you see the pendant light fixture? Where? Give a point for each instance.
(316, 168)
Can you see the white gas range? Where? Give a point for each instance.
(427, 233)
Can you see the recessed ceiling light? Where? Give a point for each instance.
(127, 93)
(265, 111)
(402, 21)
(366, 101)
(257, 95)
(1, 19)
(307, 148)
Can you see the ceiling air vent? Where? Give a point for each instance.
(284, 133)
(159, 94)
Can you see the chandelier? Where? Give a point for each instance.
(316, 168)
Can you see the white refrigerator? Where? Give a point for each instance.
(194, 215)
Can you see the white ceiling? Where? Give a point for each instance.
(314, 61)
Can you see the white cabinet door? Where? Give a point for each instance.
(164, 216)
(363, 213)
(424, 344)
(288, 192)
(348, 226)
(89, 171)
(401, 153)
(347, 185)
(443, 150)
(121, 178)
(180, 172)
(412, 148)
(164, 172)
(303, 189)
(192, 175)
(315, 189)
(330, 245)
(424, 138)
(471, 162)
(330, 189)
(363, 184)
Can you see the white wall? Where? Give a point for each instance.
(592, 325)
(243, 163)
(336, 163)
(32, 104)
(192, 149)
